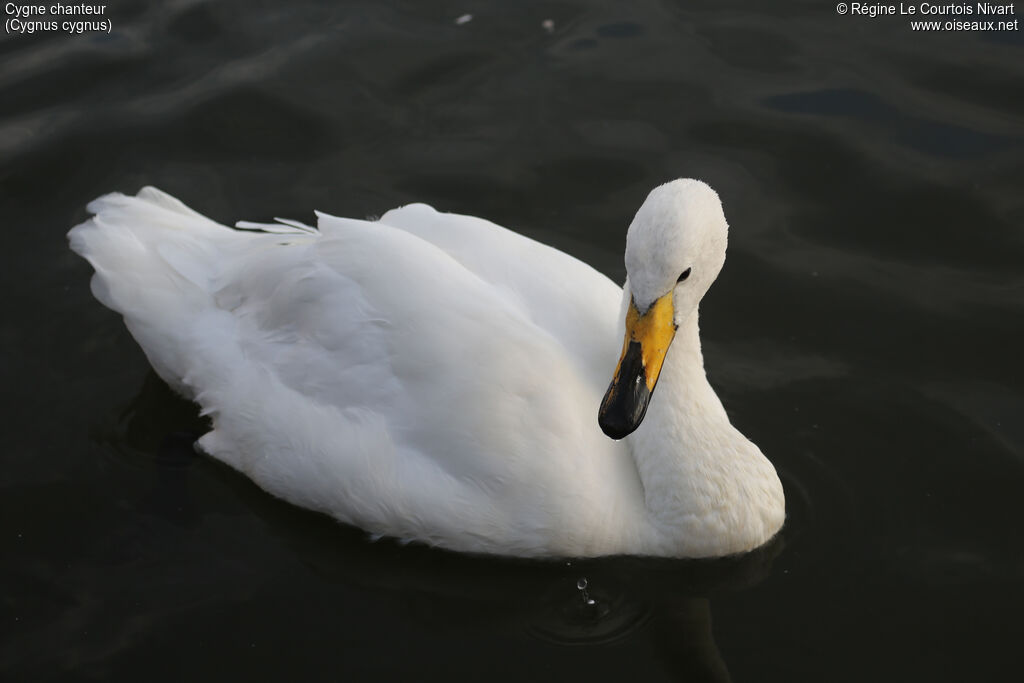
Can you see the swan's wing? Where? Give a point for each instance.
(562, 294)
(367, 373)
(468, 411)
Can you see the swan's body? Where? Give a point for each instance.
(436, 377)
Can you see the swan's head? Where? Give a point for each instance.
(675, 248)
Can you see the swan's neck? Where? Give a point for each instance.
(708, 490)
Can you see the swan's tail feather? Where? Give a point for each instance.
(156, 263)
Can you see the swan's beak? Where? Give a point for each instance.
(648, 336)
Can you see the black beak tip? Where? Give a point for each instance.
(623, 411)
(625, 403)
(615, 426)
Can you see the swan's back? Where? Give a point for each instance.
(428, 376)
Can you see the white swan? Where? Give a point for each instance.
(436, 377)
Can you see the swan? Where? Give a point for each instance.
(436, 377)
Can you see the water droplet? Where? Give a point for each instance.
(582, 583)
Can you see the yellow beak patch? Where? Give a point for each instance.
(654, 331)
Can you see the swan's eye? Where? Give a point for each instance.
(686, 274)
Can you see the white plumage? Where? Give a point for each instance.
(436, 377)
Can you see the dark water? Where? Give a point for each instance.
(866, 333)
